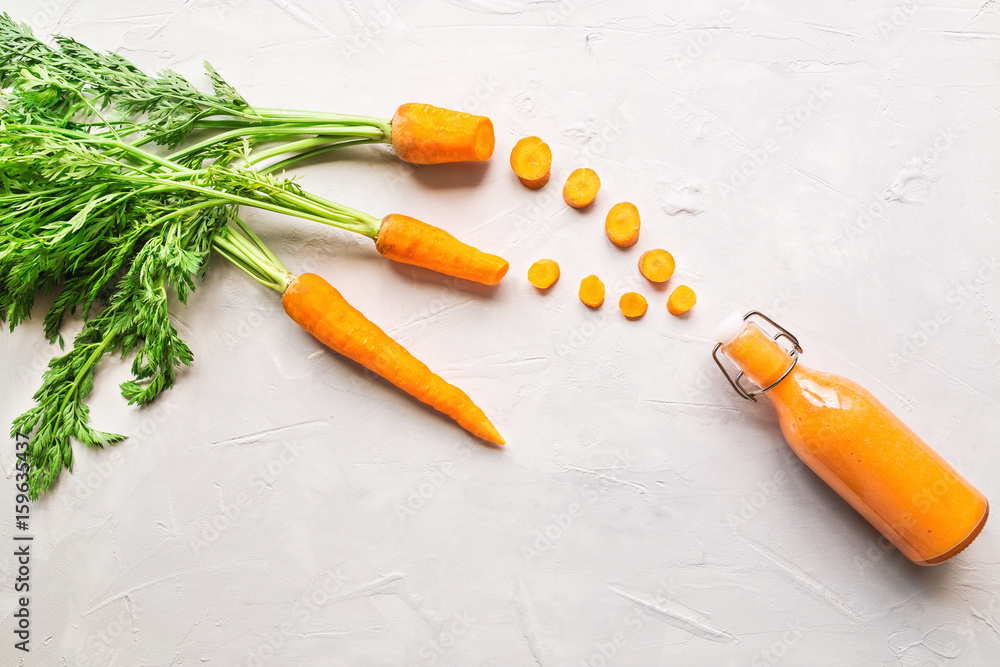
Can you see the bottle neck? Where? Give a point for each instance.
(760, 357)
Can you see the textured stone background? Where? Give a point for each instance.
(830, 163)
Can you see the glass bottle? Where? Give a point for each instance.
(857, 445)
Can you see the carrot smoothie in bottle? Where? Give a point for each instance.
(858, 446)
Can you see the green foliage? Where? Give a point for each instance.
(115, 232)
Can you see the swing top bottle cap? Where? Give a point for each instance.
(728, 328)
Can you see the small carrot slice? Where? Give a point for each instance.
(544, 273)
(592, 291)
(633, 305)
(410, 241)
(681, 300)
(316, 306)
(581, 188)
(657, 265)
(425, 134)
(531, 160)
(622, 224)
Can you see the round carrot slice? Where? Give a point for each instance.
(592, 291)
(581, 188)
(681, 300)
(544, 273)
(633, 305)
(531, 160)
(622, 224)
(657, 265)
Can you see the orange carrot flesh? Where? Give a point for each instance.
(531, 160)
(633, 305)
(410, 241)
(544, 273)
(581, 188)
(622, 224)
(657, 265)
(319, 308)
(425, 134)
(592, 291)
(681, 300)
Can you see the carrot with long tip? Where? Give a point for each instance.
(316, 306)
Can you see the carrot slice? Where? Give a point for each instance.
(531, 160)
(633, 305)
(425, 134)
(681, 300)
(657, 265)
(622, 224)
(581, 188)
(592, 291)
(320, 309)
(410, 241)
(544, 273)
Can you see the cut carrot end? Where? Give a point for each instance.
(425, 134)
(592, 291)
(410, 241)
(544, 273)
(633, 305)
(681, 300)
(657, 265)
(531, 160)
(581, 188)
(622, 224)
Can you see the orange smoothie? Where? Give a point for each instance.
(861, 449)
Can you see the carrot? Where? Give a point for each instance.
(592, 291)
(622, 224)
(410, 241)
(657, 265)
(681, 300)
(581, 188)
(531, 160)
(319, 308)
(425, 134)
(633, 305)
(544, 273)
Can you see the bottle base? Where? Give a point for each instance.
(954, 551)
